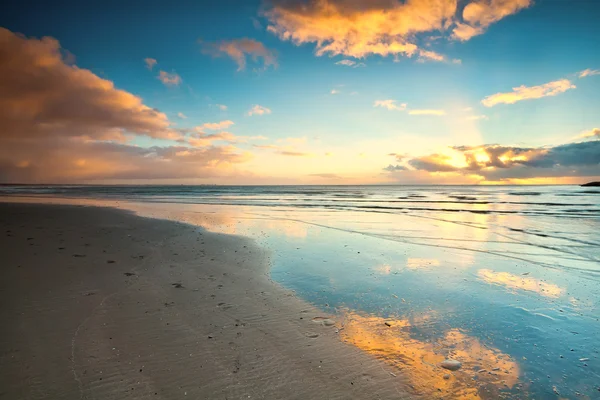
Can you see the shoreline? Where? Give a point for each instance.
(102, 303)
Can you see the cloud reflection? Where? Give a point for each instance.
(520, 282)
(485, 371)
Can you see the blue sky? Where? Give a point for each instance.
(319, 107)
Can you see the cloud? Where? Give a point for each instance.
(221, 107)
(240, 49)
(327, 176)
(44, 97)
(358, 29)
(476, 117)
(350, 63)
(433, 163)
(382, 27)
(588, 72)
(497, 162)
(393, 106)
(181, 115)
(150, 63)
(334, 91)
(427, 112)
(425, 55)
(62, 123)
(169, 78)
(76, 160)
(266, 146)
(390, 105)
(479, 15)
(391, 168)
(294, 153)
(594, 133)
(215, 126)
(527, 93)
(202, 139)
(258, 110)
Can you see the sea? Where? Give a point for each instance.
(504, 279)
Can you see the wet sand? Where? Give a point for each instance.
(98, 303)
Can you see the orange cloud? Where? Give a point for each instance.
(593, 133)
(202, 139)
(527, 93)
(382, 27)
(43, 96)
(239, 49)
(62, 123)
(169, 79)
(478, 15)
(496, 163)
(351, 28)
(214, 126)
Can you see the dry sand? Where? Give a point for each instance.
(101, 304)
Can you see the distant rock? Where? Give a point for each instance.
(591, 184)
(452, 365)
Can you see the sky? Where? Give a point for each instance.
(300, 92)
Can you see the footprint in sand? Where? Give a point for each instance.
(323, 321)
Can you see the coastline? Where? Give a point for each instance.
(101, 303)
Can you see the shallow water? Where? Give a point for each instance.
(504, 279)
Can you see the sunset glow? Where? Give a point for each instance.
(302, 92)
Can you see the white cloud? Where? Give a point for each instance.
(527, 93)
(334, 91)
(427, 112)
(350, 63)
(181, 115)
(258, 110)
(390, 105)
(588, 72)
(221, 107)
(476, 117)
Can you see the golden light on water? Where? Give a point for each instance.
(485, 370)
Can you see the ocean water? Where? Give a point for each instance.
(504, 279)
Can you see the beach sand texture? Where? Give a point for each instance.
(102, 304)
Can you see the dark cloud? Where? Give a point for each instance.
(495, 162)
(391, 168)
(432, 163)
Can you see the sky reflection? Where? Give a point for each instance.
(485, 372)
(513, 292)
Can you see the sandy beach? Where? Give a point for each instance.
(99, 303)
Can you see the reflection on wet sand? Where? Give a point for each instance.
(520, 282)
(486, 372)
(420, 263)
